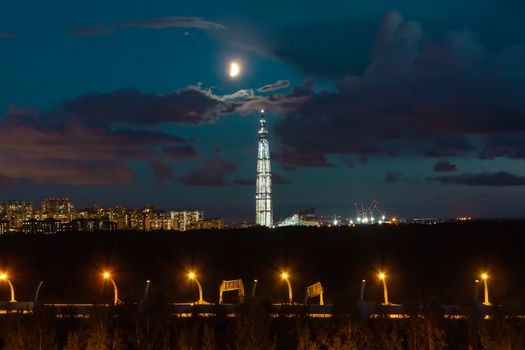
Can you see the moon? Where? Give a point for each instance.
(235, 69)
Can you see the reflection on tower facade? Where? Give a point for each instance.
(263, 184)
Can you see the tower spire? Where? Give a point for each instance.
(263, 183)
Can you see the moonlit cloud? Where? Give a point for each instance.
(64, 150)
(279, 84)
(150, 23)
(498, 179)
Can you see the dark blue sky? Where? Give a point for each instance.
(418, 105)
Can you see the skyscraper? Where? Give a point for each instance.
(263, 184)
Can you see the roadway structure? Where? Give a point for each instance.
(200, 307)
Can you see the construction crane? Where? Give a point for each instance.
(369, 215)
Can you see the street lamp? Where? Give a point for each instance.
(253, 289)
(107, 276)
(485, 277)
(286, 277)
(146, 290)
(3, 277)
(193, 277)
(363, 282)
(382, 277)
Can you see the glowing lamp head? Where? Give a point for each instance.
(484, 276)
(106, 275)
(3, 276)
(191, 275)
(382, 276)
(262, 111)
(284, 275)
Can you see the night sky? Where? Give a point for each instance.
(419, 105)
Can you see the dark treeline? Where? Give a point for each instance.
(424, 264)
(253, 329)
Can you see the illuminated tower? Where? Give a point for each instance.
(263, 184)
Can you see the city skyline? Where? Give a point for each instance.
(125, 104)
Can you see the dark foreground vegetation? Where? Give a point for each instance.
(426, 266)
(254, 329)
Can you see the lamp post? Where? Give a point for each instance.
(107, 276)
(382, 277)
(193, 277)
(3, 277)
(485, 277)
(146, 290)
(476, 291)
(253, 289)
(363, 282)
(286, 278)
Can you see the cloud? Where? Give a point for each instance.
(279, 180)
(327, 48)
(150, 23)
(7, 182)
(448, 145)
(190, 105)
(445, 166)
(277, 104)
(212, 173)
(279, 84)
(7, 35)
(418, 96)
(393, 177)
(176, 153)
(291, 159)
(510, 145)
(499, 179)
(161, 172)
(349, 162)
(67, 150)
(244, 182)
